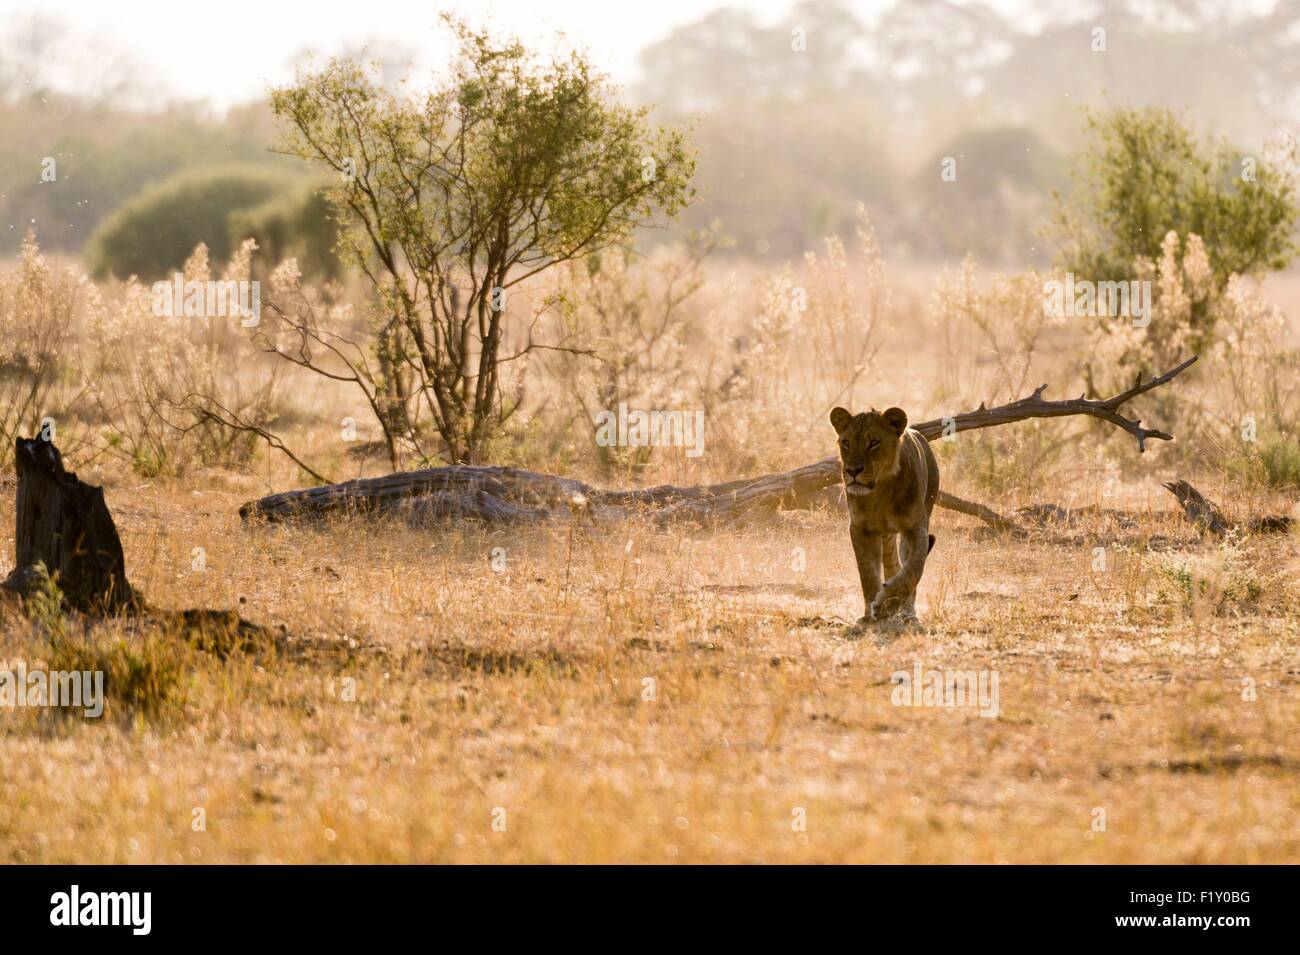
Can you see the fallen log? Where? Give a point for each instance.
(1200, 511)
(65, 535)
(512, 495)
(986, 514)
(1205, 514)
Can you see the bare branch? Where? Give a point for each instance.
(202, 405)
(1034, 406)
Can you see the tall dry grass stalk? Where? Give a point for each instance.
(38, 313)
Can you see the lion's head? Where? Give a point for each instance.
(868, 446)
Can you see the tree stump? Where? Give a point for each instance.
(64, 525)
(65, 533)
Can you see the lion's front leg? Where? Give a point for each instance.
(889, 557)
(899, 591)
(867, 550)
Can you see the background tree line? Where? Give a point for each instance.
(790, 141)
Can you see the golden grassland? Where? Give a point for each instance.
(431, 708)
(636, 693)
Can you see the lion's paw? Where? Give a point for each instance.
(886, 604)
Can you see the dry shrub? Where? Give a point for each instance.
(1237, 409)
(172, 390)
(1256, 390)
(38, 310)
(993, 335)
(627, 330)
(1181, 322)
(811, 346)
(1218, 582)
(765, 362)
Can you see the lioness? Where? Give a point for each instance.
(891, 480)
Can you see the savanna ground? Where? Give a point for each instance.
(633, 693)
(524, 691)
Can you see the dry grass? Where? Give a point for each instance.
(523, 691)
(432, 709)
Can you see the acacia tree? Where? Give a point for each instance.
(507, 167)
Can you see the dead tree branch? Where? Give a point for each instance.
(203, 406)
(986, 514)
(498, 494)
(1107, 409)
(1206, 515)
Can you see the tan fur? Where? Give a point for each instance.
(891, 479)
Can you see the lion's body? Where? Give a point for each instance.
(891, 480)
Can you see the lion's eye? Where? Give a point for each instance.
(844, 443)
(872, 445)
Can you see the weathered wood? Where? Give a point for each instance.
(1206, 515)
(1200, 511)
(1033, 406)
(512, 495)
(986, 514)
(64, 526)
(64, 533)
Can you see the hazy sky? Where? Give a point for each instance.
(232, 50)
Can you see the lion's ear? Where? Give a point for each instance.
(896, 418)
(840, 419)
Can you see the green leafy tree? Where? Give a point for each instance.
(452, 197)
(1156, 203)
(1145, 174)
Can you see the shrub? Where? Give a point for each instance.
(153, 234)
(626, 325)
(811, 346)
(1258, 389)
(298, 225)
(993, 335)
(1253, 391)
(1184, 309)
(1147, 175)
(173, 391)
(1221, 582)
(1191, 218)
(1272, 459)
